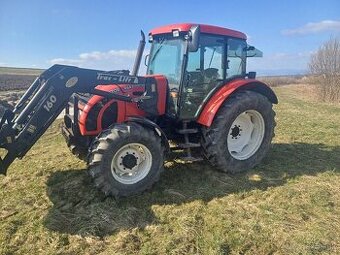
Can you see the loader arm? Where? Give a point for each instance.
(45, 100)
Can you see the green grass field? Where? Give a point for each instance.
(287, 205)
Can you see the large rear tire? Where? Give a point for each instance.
(126, 160)
(241, 133)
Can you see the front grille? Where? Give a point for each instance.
(109, 116)
(91, 121)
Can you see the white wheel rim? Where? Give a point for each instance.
(131, 163)
(246, 134)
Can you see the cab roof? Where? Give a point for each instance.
(209, 29)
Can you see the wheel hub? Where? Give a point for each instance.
(246, 134)
(129, 161)
(235, 131)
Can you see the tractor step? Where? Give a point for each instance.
(187, 131)
(191, 159)
(188, 145)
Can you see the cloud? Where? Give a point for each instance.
(108, 60)
(313, 28)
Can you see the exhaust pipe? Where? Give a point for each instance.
(139, 55)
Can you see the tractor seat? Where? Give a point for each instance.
(211, 74)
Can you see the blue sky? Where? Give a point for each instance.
(105, 34)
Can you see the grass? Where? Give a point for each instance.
(287, 205)
(274, 81)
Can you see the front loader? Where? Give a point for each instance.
(196, 94)
(46, 99)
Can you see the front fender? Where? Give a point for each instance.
(207, 115)
(153, 126)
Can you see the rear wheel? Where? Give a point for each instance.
(126, 160)
(241, 133)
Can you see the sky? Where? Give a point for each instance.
(104, 34)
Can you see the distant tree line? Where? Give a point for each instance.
(324, 66)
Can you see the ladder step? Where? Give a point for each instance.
(190, 159)
(187, 131)
(189, 145)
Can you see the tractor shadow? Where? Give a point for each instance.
(78, 208)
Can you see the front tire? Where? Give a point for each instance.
(126, 160)
(241, 133)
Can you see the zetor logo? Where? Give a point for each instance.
(116, 78)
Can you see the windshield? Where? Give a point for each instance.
(165, 58)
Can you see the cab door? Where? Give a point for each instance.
(204, 70)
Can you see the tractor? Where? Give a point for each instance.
(196, 101)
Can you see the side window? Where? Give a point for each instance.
(213, 60)
(236, 57)
(205, 66)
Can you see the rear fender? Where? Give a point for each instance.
(210, 109)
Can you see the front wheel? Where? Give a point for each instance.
(241, 133)
(126, 160)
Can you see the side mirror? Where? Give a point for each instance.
(253, 52)
(146, 60)
(249, 48)
(194, 38)
(251, 75)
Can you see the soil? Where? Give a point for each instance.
(10, 98)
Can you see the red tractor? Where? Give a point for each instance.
(196, 94)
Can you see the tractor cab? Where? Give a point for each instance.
(197, 60)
